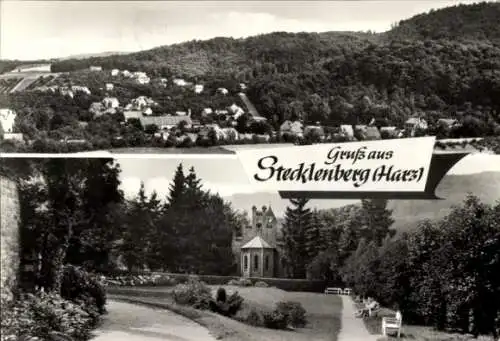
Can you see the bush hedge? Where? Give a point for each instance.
(194, 293)
(280, 283)
(82, 287)
(46, 317)
(286, 314)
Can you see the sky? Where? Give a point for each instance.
(31, 30)
(226, 176)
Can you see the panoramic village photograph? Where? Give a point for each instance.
(166, 239)
(187, 249)
(194, 77)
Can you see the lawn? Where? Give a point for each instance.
(323, 313)
(415, 333)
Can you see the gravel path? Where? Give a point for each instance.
(353, 328)
(126, 321)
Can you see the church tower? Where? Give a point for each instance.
(257, 249)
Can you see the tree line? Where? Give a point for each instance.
(443, 274)
(73, 212)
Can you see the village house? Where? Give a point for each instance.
(79, 88)
(13, 137)
(389, 132)
(179, 82)
(196, 124)
(7, 120)
(198, 88)
(126, 73)
(243, 86)
(53, 88)
(295, 128)
(141, 78)
(314, 129)
(109, 86)
(111, 102)
(230, 134)
(222, 91)
(115, 72)
(257, 249)
(206, 112)
(42, 88)
(141, 103)
(65, 91)
(166, 122)
(347, 131)
(132, 114)
(415, 123)
(448, 123)
(95, 68)
(366, 133)
(97, 108)
(236, 110)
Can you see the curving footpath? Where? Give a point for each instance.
(353, 328)
(125, 321)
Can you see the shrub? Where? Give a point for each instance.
(81, 287)
(193, 293)
(44, 315)
(227, 306)
(221, 295)
(275, 320)
(254, 318)
(261, 284)
(294, 312)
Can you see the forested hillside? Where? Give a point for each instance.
(422, 67)
(457, 23)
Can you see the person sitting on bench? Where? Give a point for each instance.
(370, 305)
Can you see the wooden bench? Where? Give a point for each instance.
(392, 323)
(333, 291)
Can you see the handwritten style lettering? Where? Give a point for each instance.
(339, 168)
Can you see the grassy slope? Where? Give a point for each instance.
(324, 313)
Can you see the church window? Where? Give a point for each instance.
(256, 262)
(266, 263)
(245, 262)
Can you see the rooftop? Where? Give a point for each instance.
(257, 243)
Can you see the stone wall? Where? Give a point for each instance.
(9, 238)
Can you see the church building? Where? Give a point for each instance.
(257, 249)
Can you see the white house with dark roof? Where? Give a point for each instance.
(295, 128)
(222, 91)
(80, 88)
(179, 82)
(131, 114)
(414, 123)
(115, 72)
(165, 122)
(7, 120)
(111, 102)
(198, 88)
(347, 130)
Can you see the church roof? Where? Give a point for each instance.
(257, 243)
